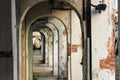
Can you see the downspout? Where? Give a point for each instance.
(89, 40)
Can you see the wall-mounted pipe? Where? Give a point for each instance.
(89, 36)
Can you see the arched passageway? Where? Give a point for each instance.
(59, 51)
(63, 43)
(31, 10)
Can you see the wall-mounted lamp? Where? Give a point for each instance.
(99, 7)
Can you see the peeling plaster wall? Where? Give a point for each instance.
(55, 48)
(62, 48)
(50, 45)
(103, 42)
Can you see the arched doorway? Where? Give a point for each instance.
(57, 54)
(65, 47)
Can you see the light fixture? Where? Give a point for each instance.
(100, 7)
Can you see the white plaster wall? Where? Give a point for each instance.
(76, 57)
(76, 29)
(55, 48)
(101, 33)
(49, 47)
(62, 48)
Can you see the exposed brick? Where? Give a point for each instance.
(73, 48)
(109, 62)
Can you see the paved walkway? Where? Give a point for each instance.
(46, 78)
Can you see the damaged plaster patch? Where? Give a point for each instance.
(109, 62)
(64, 32)
(73, 48)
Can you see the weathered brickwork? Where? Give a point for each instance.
(73, 48)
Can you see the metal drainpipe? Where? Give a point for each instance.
(89, 40)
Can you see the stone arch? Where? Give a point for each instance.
(24, 40)
(72, 5)
(63, 55)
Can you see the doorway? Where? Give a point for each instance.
(60, 48)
